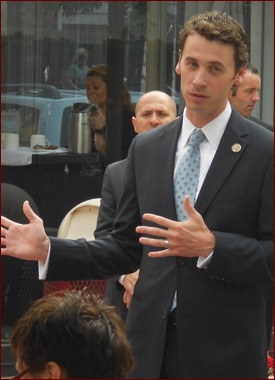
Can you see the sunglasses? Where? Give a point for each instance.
(21, 374)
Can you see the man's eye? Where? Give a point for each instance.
(215, 69)
(191, 64)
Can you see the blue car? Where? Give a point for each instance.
(30, 109)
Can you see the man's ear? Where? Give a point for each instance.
(134, 122)
(52, 371)
(239, 76)
(177, 68)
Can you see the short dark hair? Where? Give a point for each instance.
(79, 332)
(220, 27)
(250, 68)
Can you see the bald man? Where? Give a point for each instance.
(153, 109)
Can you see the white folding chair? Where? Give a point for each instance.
(80, 221)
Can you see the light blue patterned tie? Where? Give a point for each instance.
(187, 177)
(186, 180)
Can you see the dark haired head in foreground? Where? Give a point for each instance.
(71, 335)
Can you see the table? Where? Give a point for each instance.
(57, 182)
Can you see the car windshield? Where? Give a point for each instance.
(29, 108)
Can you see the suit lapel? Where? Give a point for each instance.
(226, 157)
(229, 152)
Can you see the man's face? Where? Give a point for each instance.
(247, 94)
(207, 72)
(152, 111)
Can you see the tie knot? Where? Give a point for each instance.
(196, 137)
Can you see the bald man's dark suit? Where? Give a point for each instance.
(221, 309)
(111, 192)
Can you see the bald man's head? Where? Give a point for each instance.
(153, 109)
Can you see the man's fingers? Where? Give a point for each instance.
(164, 222)
(5, 223)
(154, 231)
(28, 211)
(189, 208)
(159, 243)
(160, 220)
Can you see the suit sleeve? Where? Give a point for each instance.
(107, 209)
(118, 253)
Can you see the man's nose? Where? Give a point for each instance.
(200, 78)
(256, 97)
(154, 120)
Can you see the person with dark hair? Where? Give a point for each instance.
(96, 90)
(198, 196)
(245, 95)
(243, 98)
(71, 335)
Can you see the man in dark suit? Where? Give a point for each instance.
(219, 260)
(153, 109)
(244, 96)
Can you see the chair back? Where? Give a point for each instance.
(80, 221)
(12, 201)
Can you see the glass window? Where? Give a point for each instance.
(47, 48)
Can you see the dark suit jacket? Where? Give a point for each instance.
(111, 192)
(270, 287)
(262, 123)
(221, 309)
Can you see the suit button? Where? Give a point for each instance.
(180, 261)
(164, 314)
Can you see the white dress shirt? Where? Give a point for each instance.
(213, 132)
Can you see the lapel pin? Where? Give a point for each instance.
(236, 148)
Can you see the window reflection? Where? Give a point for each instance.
(39, 40)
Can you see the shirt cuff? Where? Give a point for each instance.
(121, 279)
(43, 267)
(204, 261)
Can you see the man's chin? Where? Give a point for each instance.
(248, 111)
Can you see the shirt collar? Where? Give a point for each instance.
(213, 130)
